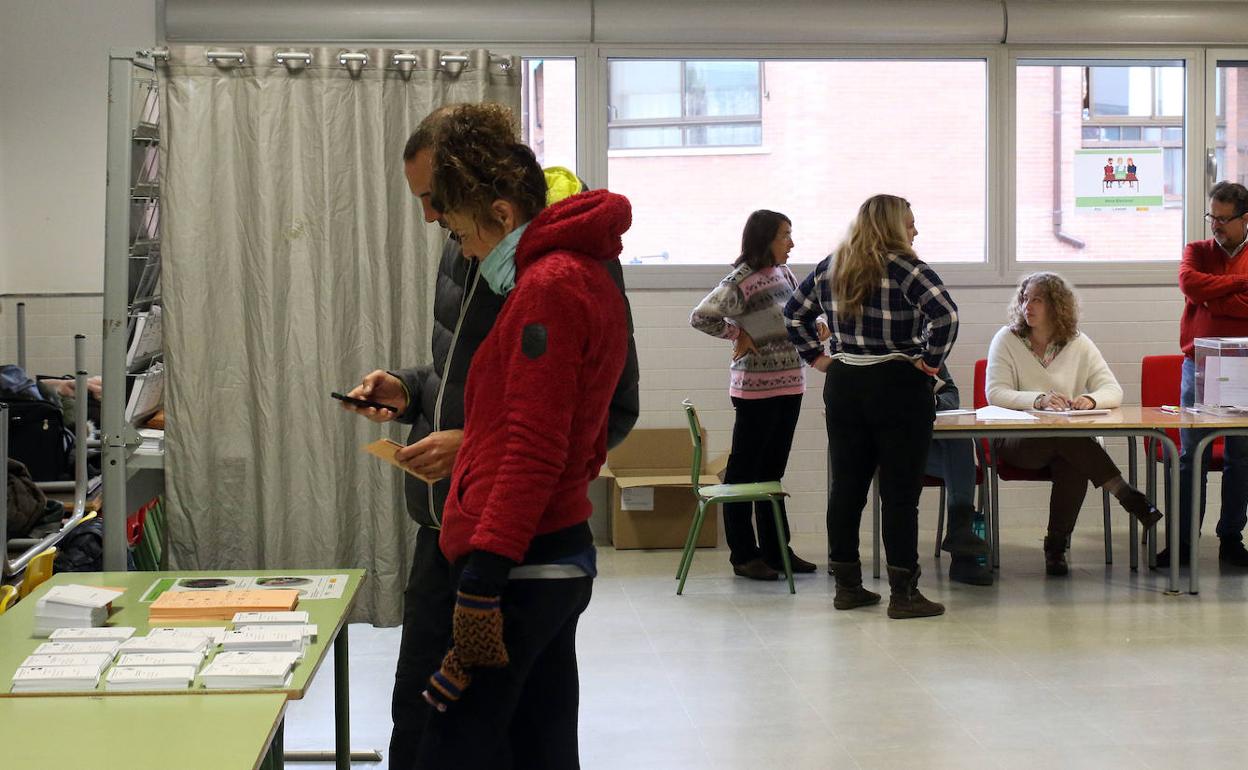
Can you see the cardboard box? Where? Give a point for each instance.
(651, 490)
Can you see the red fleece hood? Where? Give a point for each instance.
(589, 223)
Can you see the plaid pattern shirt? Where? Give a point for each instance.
(911, 314)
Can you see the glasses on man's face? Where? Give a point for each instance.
(1210, 218)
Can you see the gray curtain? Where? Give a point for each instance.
(295, 261)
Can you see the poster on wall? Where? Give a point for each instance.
(1119, 179)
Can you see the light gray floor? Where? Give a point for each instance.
(1097, 670)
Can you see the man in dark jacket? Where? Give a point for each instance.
(431, 399)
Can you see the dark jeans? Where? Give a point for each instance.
(429, 595)
(1072, 462)
(878, 417)
(762, 436)
(952, 460)
(525, 715)
(1234, 472)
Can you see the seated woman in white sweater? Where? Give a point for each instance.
(1039, 360)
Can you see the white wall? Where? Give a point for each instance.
(53, 111)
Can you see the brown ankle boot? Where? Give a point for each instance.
(906, 601)
(849, 590)
(1055, 556)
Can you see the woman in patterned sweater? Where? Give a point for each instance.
(766, 383)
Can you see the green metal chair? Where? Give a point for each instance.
(725, 493)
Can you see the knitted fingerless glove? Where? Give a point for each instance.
(477, 629)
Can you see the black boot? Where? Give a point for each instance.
(960, 538)
(1055, 556)
(1231, 552)
(906, 601)
(967, 569)
(849, 590)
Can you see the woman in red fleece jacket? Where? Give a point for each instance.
(515, 525)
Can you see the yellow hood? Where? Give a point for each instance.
(560, 183)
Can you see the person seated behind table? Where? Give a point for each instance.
(1040, 360)
(953, 461)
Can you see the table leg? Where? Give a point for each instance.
(1133, 479)
(1172, 452)
(875, 526)
(342, 702)
(1198, 457)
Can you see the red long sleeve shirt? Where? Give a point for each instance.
(1215, 290)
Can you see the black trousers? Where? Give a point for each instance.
(762, 436)
(525, 715)
(878, 417)
(429, 596)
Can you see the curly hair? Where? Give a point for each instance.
(478, 159)
(1060, 298)
(860, 259)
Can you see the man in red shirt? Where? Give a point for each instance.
(1213, 277)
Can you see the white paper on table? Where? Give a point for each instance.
(1001, 413)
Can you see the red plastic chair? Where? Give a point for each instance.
(1160, 385)
(1005, 472)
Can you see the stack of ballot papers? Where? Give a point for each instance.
(247, 669)
(220, 604)
(214, 634)
(99, 634)
(197, 645)
(73, 606)
(293, 618)
(97, 660)
(55, 678)
(146, 659)
(77, 648)
(122, 678)
(267, 639)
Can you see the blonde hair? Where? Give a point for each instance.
(861, 259)
(1060, 298)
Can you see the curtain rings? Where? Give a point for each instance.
(354, 61)
(226, 58)
(294, 61)
(405, 63)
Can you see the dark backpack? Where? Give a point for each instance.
(38, 438)
(27, 503)
(82, 550)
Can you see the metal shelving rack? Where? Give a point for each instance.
(131, 274)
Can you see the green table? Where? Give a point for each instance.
(329, 615)
(148, 732)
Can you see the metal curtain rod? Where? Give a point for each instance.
(350, 59)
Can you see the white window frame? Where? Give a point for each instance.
(1125, 273)
(1208, 166)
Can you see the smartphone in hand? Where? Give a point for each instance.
(363, 402)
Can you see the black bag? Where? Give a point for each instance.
(27, 502)
(82, 550)
(38, 438)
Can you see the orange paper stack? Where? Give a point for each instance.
(219, 605)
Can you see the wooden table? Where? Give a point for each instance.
(145, 732)
(329, 615)
(1128, 421)
(1218, 427)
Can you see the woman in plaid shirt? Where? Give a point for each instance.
(892, 323)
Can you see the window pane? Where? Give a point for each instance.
(724, 135)
(643, 89)
(1233, 155)
(1091, 201)
(717, 88)
(643, 137)
(548, 112)
(1170, 91)
(815, 159)
(1122, 91)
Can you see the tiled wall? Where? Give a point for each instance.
(677, 362)
(51, 323)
